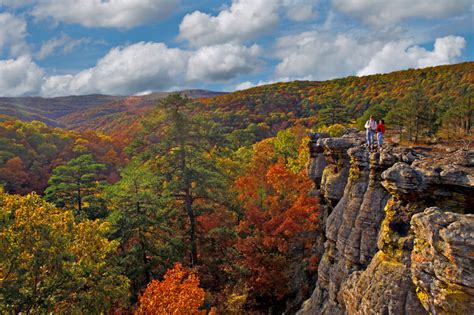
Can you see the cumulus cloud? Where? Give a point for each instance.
(123, 71)
(12, 34)
(62, 42)
(379, 13)
(139, 68)
(16, 3)
(403, 55)
(154, 67)
(322, 55)
(248, 84)
(222, 62)
(243, 20)
(300, 10)
(98, 13)
(19, 77)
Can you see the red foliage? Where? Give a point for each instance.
(279, 223)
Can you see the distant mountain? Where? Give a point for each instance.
(270, 107)
(48, 110)
(80, 112)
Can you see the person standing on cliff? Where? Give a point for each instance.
(370, 127)
(380, 132)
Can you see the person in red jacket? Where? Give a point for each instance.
(380, 131)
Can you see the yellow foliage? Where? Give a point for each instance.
(51, 264)
(335, 130)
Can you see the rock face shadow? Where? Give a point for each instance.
(399, 229)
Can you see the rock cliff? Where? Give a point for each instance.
(387, 250)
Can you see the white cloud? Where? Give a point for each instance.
(248, 84)
(322, 55)
(123, 71)
(145, 67)
(300, 10)
(379, 13)
(12, 34)
(243, 20)
(62, 42)
(20, 77)
(222, 62)
(16, 3)
(244, 86)
(403, 55)
(99, 13)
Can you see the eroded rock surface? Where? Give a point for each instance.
(367, 267)
(442, 261)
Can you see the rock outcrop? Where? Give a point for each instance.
(369, 199)
(442, 261)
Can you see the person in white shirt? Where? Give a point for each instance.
(370, 127)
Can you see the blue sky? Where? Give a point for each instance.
(122, 47)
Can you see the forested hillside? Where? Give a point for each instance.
(199, 205)
(30, 151)
(48, 110)
(442, 96)
(69, 111)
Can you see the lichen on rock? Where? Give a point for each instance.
(442, 261)
(384, 254)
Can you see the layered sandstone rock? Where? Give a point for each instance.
(367, 266)
(442, 261)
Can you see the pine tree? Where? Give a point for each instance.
(77, 186)
(184, 146)
(142, 225)
(334, 111)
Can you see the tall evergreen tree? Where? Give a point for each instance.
(184, 146)
(142, 224)
(77, 186)
(334, 111)
(413, 116)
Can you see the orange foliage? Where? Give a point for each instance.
(30, 151)
(178, 293)
(279, 218)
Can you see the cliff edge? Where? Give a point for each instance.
(399, 228)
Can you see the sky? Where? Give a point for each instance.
(133, 47)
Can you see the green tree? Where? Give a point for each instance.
(457, 121)
(333, 110)
(420, 114)
(51, 264)
(185, 149)
(397, 117)
(379, 111)
(77, 186)
(413, 116)
(142, 224)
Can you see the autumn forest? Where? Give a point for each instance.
(192, 203)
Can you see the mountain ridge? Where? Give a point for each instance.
(277, 105)
(53, 110)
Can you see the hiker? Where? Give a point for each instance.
(380, 132)
(370, 127)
